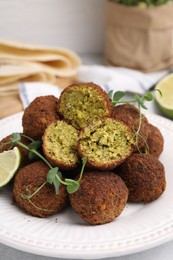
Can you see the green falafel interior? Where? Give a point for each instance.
(54, 175)
(80, 104)
(106, 143)
(83, 132)
(60, 144)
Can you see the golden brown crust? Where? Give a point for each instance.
(45, 202)
(101, 197)
(129, 114)
(155, 141)
(38, 115)
(144, 176)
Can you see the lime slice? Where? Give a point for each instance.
(9, 163)
(165, 101)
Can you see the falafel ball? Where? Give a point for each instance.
(144, 176)
(45, 202)
(155, 141)
(106, 143)
(100, 198)
(129, 114)
(6, 144)
(80, 104)
(38, 115)
(60, 145)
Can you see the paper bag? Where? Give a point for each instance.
(139, 38)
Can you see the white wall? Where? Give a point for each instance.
(75, 24)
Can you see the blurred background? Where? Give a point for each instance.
(78, 24)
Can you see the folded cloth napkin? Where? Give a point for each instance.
(117, 78)
(109, 78)
(29, 91)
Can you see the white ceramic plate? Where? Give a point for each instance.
(65, 235)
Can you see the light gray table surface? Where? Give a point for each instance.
(162, 252)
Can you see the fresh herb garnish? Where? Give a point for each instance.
(141, 3)
(54, 176)
(118, 95)
(139, 100)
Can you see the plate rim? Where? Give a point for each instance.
(89, 251)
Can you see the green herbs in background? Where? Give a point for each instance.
(142, 3)
(54, 176)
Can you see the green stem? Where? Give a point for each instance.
(60, 180)
(22, 145)
(41, 157)
(140, 121)
(35, 152)
(31, 195)
(124, 101)
(27, 137)
(83, 166)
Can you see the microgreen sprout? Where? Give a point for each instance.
(118, 95)
(139, 100)
(54, 176)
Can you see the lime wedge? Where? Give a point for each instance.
(9, 163)
(165, 101)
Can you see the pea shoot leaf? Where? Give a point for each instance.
(148, 96)
(32, 155)
(72, 185)
(35, 145)
(118, 95)
(140, 102)
(53, 177)
(15, 137)
(56, 184)
(110, 94)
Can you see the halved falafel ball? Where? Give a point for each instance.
(155, 141)
(6, 144)
(80, 104)
(129, 114)
(100, 198)
(60, 145)
(45, 202)
(106, 143)
(144, 176)
(38, 115)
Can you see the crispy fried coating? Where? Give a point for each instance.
(129, 114)
(45, 202)
(101, 197)
(144, 176)
(80, 104)
(155, 141)
(38, 115)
